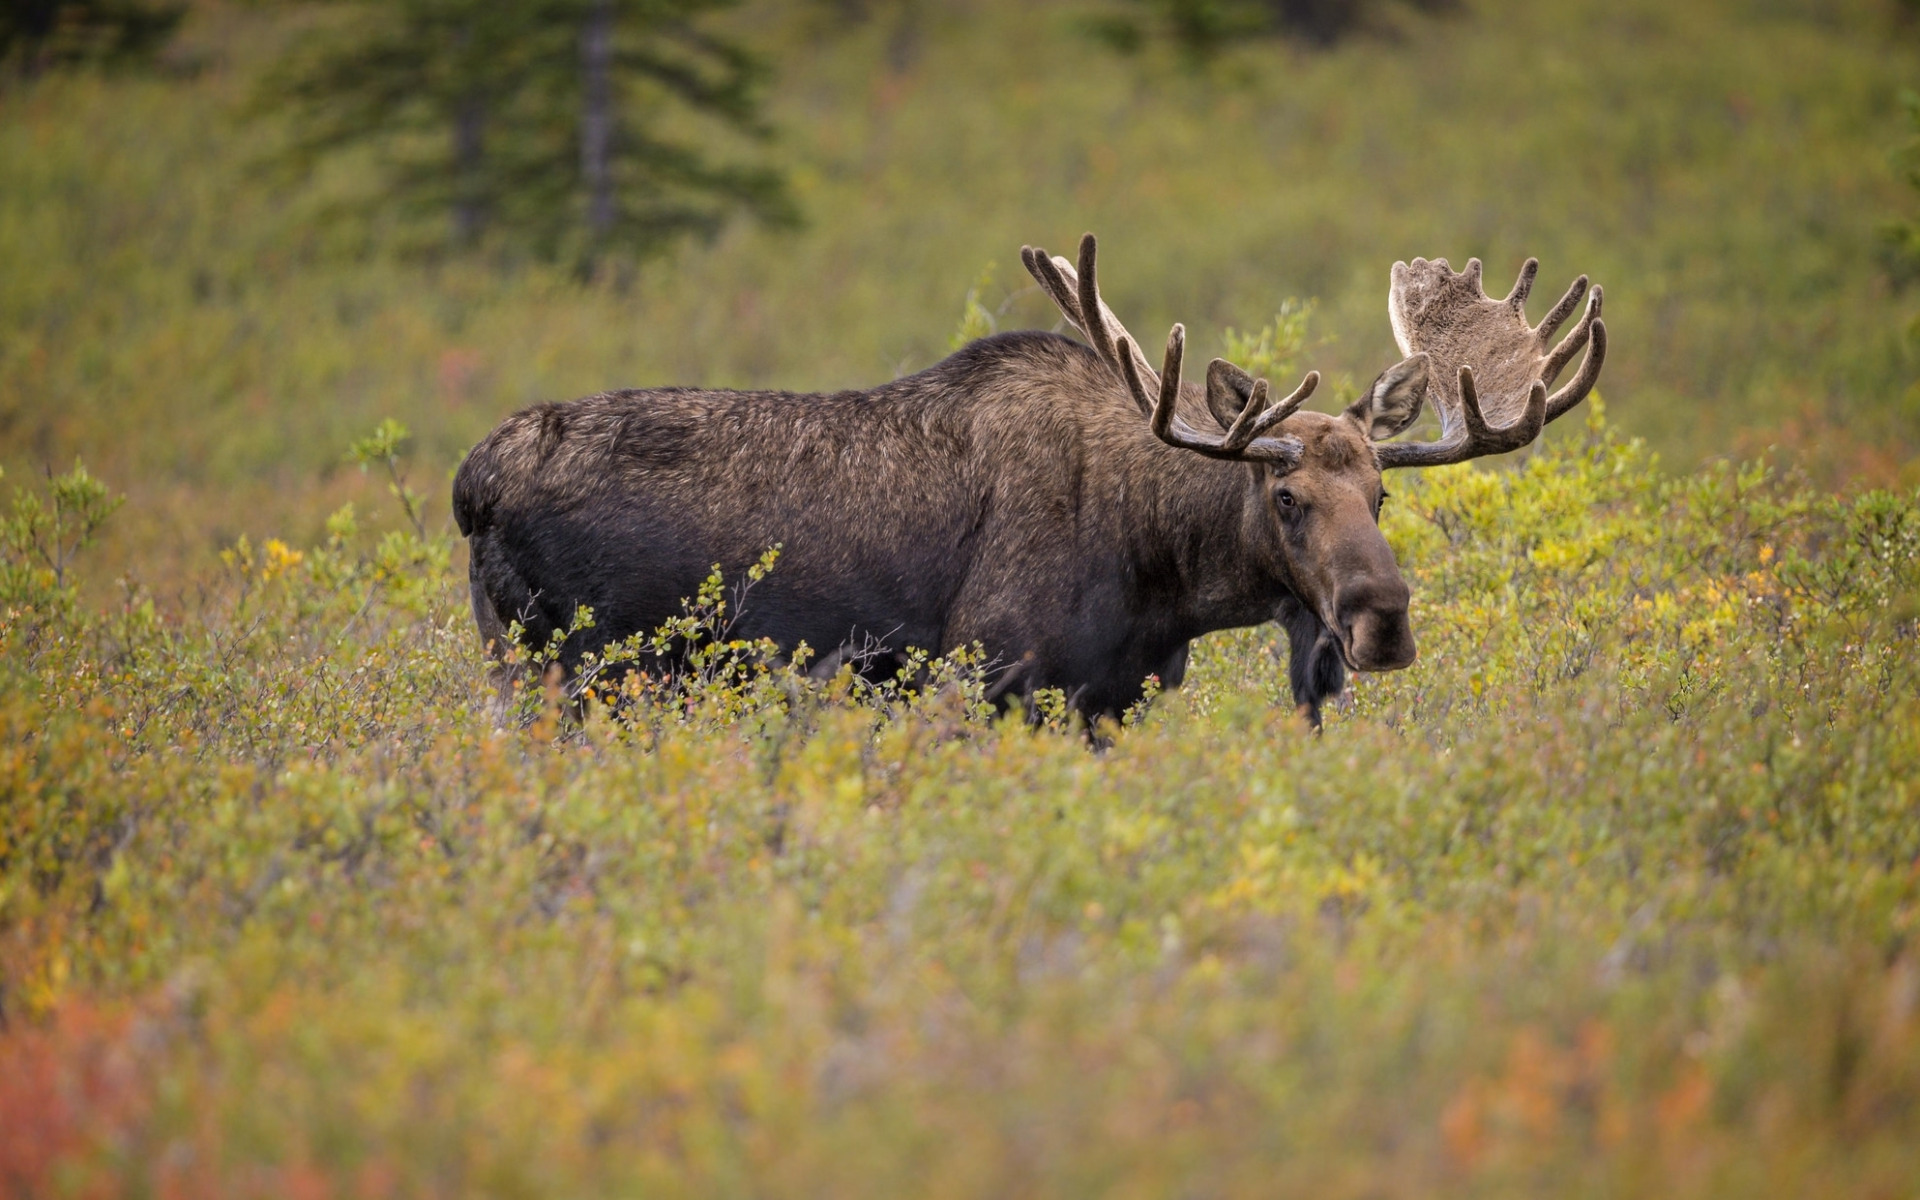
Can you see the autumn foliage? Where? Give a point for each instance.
(1615, 891)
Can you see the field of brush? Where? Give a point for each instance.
(1616, 892)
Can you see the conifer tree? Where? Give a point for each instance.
(575, 128)
(37, 34)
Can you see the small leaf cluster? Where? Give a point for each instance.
(1272, 352)
(41, 535)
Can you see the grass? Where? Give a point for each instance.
(1615, 892)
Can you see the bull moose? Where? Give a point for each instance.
(1078, 515)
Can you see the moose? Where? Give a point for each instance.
(1078, 515)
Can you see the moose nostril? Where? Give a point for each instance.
(1372, 618)
(1380, 641)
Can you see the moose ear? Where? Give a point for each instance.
(1394, 400)
(1228, 390)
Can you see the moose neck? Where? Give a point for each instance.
(1226, 550)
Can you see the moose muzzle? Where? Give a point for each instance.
(1372, 625)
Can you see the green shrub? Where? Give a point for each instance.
(1616, 890)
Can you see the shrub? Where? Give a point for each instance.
(1615, 889)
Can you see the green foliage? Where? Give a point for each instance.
(41, 536)
(976, 319)
(1613, 891)
(497, 117)
(38, 34)
(1273, 352)
(382, 447)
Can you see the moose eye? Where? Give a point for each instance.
(1285, 496)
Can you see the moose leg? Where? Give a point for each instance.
(870, 658)
(493, 636)
(1173, 672)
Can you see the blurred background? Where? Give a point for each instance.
(235, 236)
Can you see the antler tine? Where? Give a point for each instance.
(1561, 310)
(1240, 429)
(1076, 293)
(1250, 446)
(1465, 434)
(1571, 345)
(1163, 419)
(1254, 423)
(1170, 365)
(1577, 389)
(1482, 438)
(1095, 326)
(1063, 284)
(1523, 286)
(1040, 265)
(1169, 428)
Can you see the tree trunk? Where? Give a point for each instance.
(469, 145)
(469, 206)
(596, 116)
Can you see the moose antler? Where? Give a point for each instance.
(1245, 424)
(1487, 362)
(1074, 293)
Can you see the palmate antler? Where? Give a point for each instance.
(1244, 420)
(1486, 361)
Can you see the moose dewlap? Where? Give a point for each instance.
(1077, 514)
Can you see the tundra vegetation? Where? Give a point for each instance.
(1616, 891)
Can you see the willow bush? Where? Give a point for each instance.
(1614, 892)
